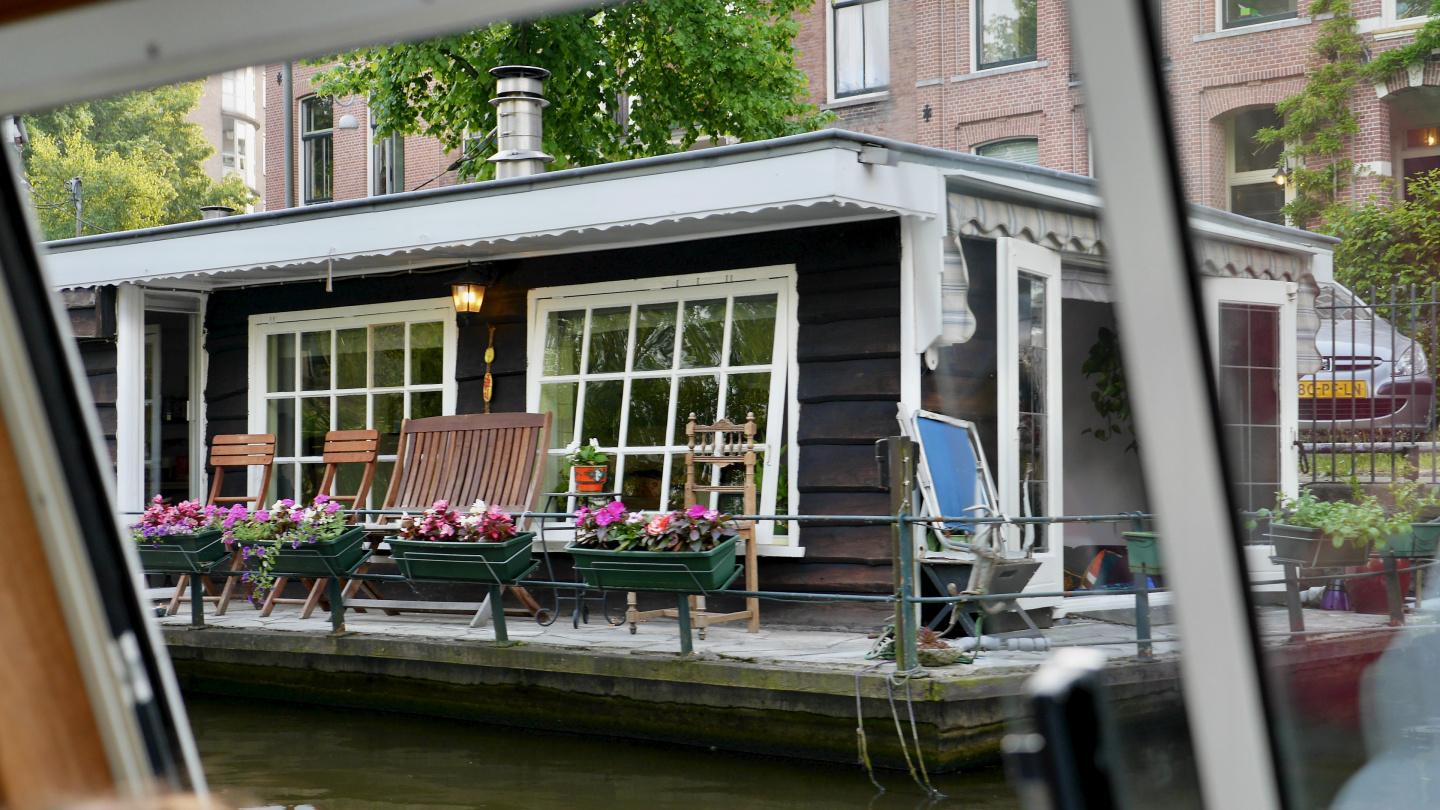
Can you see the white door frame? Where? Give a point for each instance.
(1014, 256)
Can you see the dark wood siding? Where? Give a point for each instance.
(848, 354)
(92, 321)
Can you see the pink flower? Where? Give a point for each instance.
(441, 506)
(321, 498)
(615, 508)
(658, 526)
(711, 515)
(604, 518)
(695, 511)
(262, 515)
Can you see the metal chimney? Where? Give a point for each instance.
(215, 211)
(518, 133)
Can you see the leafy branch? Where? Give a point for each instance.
(1111, 395)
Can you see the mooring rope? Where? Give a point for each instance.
(860, 728)
(923, 779)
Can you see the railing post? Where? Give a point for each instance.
(902, 475)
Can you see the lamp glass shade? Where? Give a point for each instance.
(468, 296)
(1281, 177)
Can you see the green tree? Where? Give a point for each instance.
(140, 136)
(1390, 243)
(687, 69)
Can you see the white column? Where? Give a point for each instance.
(130, 396)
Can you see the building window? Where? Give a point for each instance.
(1420, 156)
(1019, 150)
(862, 46)
(1004, 32)
(237, 148)
(1251, 166)
(237, 91)
(627, 368)
(1411, 9)
(352, 368)
(318, 145)
(1250, 399)
(1249, 12)
(387, 165)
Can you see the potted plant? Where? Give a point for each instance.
(480, 546)
(589, 463)
(185, 537)
(294, 541)
(1417, 509)
(1329, 534)
(690, 552)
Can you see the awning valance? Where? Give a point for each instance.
(1068, 233)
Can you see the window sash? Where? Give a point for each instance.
(1019, 150)
(779, 415)
(1023, 46)
(861, 44)
(1235, 17)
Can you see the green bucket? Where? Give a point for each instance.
(1420, 541)
(1144, 551)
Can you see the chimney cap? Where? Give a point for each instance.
(519, 72)
(215, 211)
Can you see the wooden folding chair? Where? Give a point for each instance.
(341, 447)
(497, 458)
(231, 450)
(719, 445)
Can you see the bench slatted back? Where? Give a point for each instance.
(241, 450)
(498, 458)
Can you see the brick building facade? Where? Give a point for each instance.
(1225, 61)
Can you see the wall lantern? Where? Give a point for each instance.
(348, 121)
(467, 291)
(1281, 176)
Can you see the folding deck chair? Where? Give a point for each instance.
(341, 447)
(498, 458)
(231, 450)
(955, 481)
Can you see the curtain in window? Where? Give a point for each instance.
(850, 49)
(957, 322)
(877, 44)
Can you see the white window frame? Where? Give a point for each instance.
(265, 324)
(1013, 257)
(830, 84)
(303, 158)
(977, 26)
(1390, 19)
(1215, 291)
(244, 160)
(1234, 178)
(784, 405)
(979, 146)
(1259, 26)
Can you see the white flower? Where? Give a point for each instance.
(478, 508)
(595, 443)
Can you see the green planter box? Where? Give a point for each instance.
(675, 571)
(1309, 548)
(183, 553)
(324, 559)
(1144, 552)
(1420, 541)
(464, 562)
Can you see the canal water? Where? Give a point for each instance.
(270, 754)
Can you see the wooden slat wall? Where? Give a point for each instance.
(92, 320)
(848, 353)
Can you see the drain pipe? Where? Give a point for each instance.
(518, 104)
(287, 80)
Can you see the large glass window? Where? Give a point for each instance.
(237, 91)
(1020, 150)
(862, 46)
(1407, 9)
(237, 148)
(317, 138)
(1004, 32)
(628, 370)
(388, 165)
(1250, 12)
(1250, 398)
(349, 373)
(1250, 176)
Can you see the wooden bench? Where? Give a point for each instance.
(497, 458)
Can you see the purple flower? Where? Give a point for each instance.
(615, 508)
(262, 515)
(695, 511)
(604, 518)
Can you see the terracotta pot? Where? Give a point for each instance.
(591, 479)
(1367, 594)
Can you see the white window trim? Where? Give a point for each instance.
(1403, 152)
(1389, 23)
(264, 324)
(1234, 178)
(995, 70)
(831, 100)
(775, 278)
(975, 150)
(1286, 22)
(1013, 256)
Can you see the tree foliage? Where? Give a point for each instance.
(687, 69)
(139, 160)
(1390, 243)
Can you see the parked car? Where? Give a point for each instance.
(1374, 383)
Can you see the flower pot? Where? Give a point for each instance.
(1308, 548)
(676, 571)
(1369, 594)
(1144, 552)
(184, 553)
(1420, 541)
(327, 558)
(591, 479)
(464, 562)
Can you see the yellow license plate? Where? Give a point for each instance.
(1333, 389)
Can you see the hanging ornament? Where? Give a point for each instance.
(489, 381)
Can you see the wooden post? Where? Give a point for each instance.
(902, 472)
